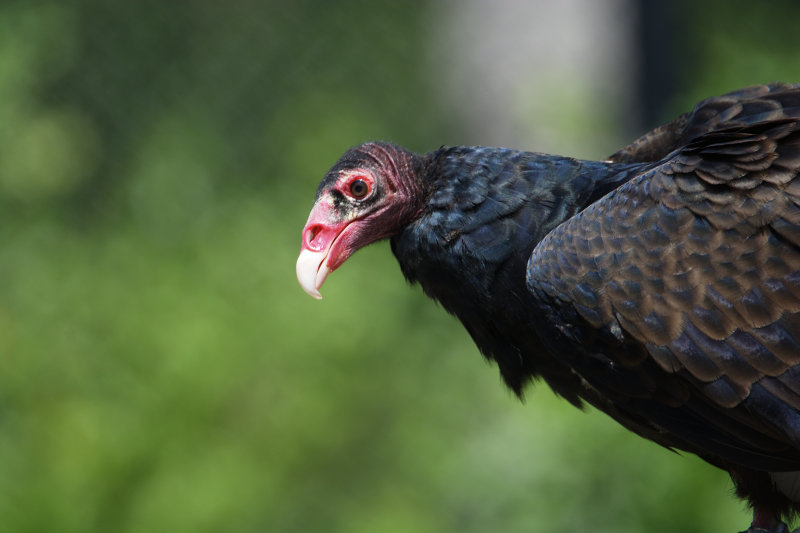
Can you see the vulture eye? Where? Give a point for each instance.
(358, 189)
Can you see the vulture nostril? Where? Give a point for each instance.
(311, 234)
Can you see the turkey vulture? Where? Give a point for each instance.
(661, 285)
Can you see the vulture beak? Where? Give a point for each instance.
(321, 251)
(311, 273)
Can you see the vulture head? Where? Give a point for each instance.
(371, 193)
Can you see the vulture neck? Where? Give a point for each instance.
(484, 211)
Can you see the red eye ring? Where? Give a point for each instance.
(358, 188)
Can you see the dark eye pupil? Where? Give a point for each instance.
(359, 188)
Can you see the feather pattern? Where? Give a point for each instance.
(714, 299)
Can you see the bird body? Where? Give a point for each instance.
(661, 286)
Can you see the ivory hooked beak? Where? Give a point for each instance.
(312, 271)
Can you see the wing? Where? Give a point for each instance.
(677, 297)
(750, 105)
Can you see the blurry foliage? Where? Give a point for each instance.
(161, 370)
(728, 44)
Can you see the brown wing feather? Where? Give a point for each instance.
(695, 266)
(750, 105)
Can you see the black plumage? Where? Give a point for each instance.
(661, 285)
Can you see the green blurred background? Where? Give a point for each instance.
(162, 371)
